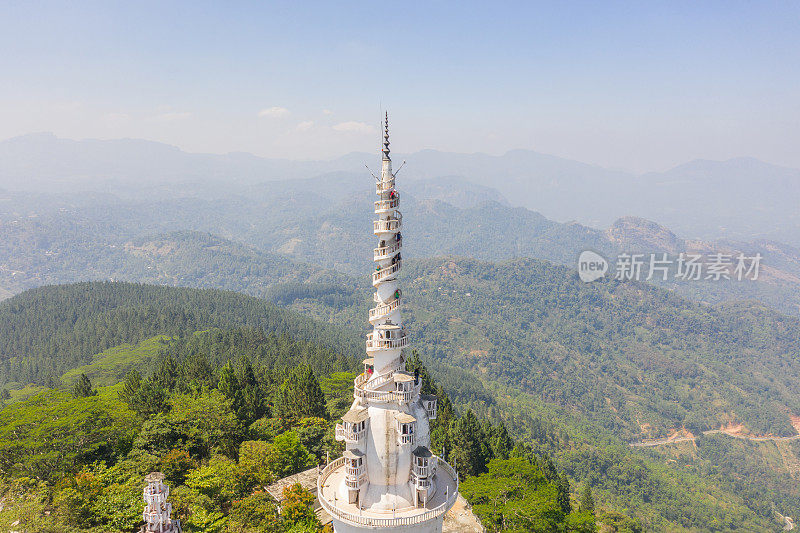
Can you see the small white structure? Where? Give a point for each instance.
(157, 509)
(387, 479)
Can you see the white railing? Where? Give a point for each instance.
(425, 471)
(343, 434)
(422, 483)
(376, 381)
(430, 408)
(354, 472)
(383, 186)
(371, 521)
(443, 465)
(399, 397)
(354, 483)
(384, 226)
(386, 251)
(383, 310)
(387, 205)
(407, 438)
(388, 344)
(382, 274)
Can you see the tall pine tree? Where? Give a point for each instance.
(83, 387)
(300, 395)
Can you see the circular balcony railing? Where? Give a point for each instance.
(385, 252)
(381, 206)
(382, 311)
(385, 273)
(393, 225)
(378, 522)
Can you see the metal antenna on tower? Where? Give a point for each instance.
(371, 172)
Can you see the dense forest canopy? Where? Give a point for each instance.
(223, 413)
(47, 331)
(569, 367)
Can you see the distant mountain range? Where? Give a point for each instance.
(739, 199)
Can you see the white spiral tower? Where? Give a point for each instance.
(387, 478)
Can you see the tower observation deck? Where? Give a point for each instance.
(387, 479)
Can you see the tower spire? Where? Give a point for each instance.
(386, 138)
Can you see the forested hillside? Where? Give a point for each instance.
(639, 359)
(45, 332)
(224, 412)
(560, 362)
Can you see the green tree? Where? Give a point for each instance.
(587, 500)
(298, 512)
(256, 513)
(174, 464)
(257, 463)
(414, 365)
(290, 456)
(229, 386)
(208, 423)
(150, 399)
(467, 451)
(83, 387)
(514, 495)
(217, 480)
(500, 442)
(159, 435)
(130, 386)
(563, 493)
(300, 395)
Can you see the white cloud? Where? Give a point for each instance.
(273, 112)
(305, 125)
(354, 127)
(327, 112)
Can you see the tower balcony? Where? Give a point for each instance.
(382, 311)
(391, 340)
(429, 404)
(424, 463)
(355, 472)
(391, 225)
(384, 186)
(385, 274)
(406, 428)
(158, 520)
(353, 427)
(385, 206)
(366, 389)
(387, 252)
(156, 493)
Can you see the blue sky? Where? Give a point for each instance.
(638, 85)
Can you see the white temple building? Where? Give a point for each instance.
(157, 509)
(387, 479)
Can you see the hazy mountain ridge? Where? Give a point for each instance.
(740, 199)
(325, 222)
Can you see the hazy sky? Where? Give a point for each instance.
(639, 85)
